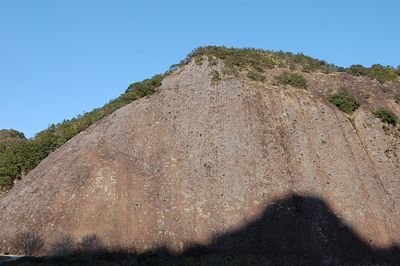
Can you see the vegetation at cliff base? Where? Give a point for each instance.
(386, 116)
(343, 101)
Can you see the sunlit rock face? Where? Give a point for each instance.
(201, 159)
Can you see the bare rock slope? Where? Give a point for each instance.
(202, 158)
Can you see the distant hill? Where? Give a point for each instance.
(10, 137)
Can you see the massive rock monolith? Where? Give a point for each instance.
(203, 158)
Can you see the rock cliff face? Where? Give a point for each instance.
(203, 158)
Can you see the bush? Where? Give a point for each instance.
(64, 246)
(91, 244)
(258, 59)
(144, 88)
(292, 79)
(357, 70)
(234, 57)
(378, 72)
(382, 74)
(215, 76)
(344, 102)
(397, 98)
(28, 242)
(255, 76)
(306, 63)
(386, 116)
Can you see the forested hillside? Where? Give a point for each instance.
(10, 137)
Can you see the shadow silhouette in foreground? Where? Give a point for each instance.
(293, 231)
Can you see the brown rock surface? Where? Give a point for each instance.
(199, 159)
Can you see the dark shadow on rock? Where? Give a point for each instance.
(299, 230)
(296, 230)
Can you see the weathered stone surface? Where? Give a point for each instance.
(199, 159)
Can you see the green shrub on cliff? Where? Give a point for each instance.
(378, 72)
(292, 79)
(386, 116)
(256, 76)
(344, 102)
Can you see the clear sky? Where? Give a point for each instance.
(59, 58)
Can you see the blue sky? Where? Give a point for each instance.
(60, 58)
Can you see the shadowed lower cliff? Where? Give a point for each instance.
(297, 230)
